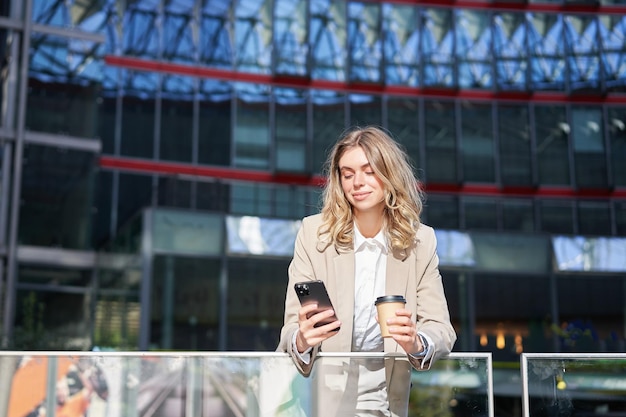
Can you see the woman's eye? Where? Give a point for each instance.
(347, 176)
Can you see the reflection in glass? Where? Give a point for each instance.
(290, 37)
(438, 55)
(588, 143)
(364, 43)
(473, 49)
(554, 385)
(143, 40)
(178, 32)
(215, 34)
(327, 38)
(612, 29)
(223, 384)
(547, 63)
(582, 51)
(401, 44)
(617, 141)
(520, 327)
(510, 50)
(253, 36)
(552, 134)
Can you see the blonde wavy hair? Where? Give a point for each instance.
(403, 191)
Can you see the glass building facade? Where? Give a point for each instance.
(156, 157)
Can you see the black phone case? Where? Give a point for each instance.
(315, 292)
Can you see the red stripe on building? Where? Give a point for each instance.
(140, 64)
(236, 174)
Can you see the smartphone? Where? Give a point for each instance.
(315, 292)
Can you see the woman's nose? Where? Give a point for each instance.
(359, 178)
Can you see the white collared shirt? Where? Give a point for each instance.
(370, 266)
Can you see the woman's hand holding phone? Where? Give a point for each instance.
(316, 318)
(311, 331)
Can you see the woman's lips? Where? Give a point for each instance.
(360, 196)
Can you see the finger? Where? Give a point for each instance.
(321, 317)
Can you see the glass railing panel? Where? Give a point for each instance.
(558, 385)
(216, 384)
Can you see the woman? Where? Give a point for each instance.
(367, 242)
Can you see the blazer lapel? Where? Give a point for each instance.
(344, 282)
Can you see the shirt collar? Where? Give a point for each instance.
(379, 240)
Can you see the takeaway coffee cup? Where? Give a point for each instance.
(386, 307)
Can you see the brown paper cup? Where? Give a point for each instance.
(386, 307)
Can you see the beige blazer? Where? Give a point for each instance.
(415, 274)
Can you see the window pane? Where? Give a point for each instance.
(57, 188)
(401, 44)
(552, 135)
(518, 215)
(441, 212)
(174, 192)
(252, 199)
(547, 51)
(474, 49)
(327, 37)
(364, 43)
(520, 327)
(257, 303)
(403, 123)
(619, 208)
(438, 48)
(135, 193)
(594, 218)
(290, 37)
(365, 110)
(47, 320)
(480, 214)
(597, 325)
(514, 134)
(328, 123)
(185, 303)
(63, 87)
(510, 50)
(138, 115)
(582, 51)
(253, 36)
(214, 124)
(440, 135)
(291, 130)
(177, 119)
(252, 127)
(556, 217)
(477, 142)
(617, 139)
(589, 156)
